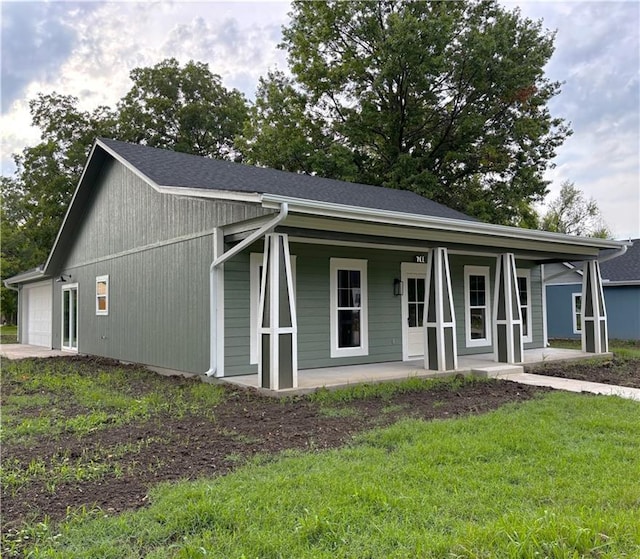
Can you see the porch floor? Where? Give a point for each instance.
(333, 377)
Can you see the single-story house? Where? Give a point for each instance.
(621, 288)
(192, 264)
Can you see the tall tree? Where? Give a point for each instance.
(573, 214)
(448, 99)
(182, 108)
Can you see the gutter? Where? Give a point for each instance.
(389, 217)
(214, 278)
(617, 253)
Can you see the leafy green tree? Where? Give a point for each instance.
(573, 214)
(182, 108)
(448, 99)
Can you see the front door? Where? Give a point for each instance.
(70, 317)
(413, 279)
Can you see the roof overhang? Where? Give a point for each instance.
(537, 245)
(26, 277)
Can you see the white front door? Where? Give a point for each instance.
(413, 296)
(70, 317)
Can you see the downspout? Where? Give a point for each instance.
(213, 282)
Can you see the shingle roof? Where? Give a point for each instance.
(170, 168)
(625, 267)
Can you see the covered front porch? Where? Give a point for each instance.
(480, 364)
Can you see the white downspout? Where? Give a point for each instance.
(213, 282)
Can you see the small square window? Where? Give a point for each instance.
(102, 295)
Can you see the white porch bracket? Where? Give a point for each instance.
(277, 320)
(507, 316)
(440, 349)
(594, 314)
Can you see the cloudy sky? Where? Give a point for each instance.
(88, 49)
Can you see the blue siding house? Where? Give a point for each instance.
(621, 289)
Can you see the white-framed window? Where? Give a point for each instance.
(255, 271)
(102, 295)
(477, 306)
(524, 290)
(577, 313)
(348, 307)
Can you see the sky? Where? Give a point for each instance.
(88, 49)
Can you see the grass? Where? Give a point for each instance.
(555, 477)
(101, 398)
(8, 334)
(625, 349)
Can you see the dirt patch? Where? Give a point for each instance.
(618, 371)
(163, 447)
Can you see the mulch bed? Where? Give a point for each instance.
(244, 424)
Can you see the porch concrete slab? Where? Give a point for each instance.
(572, 385)
(22, 351)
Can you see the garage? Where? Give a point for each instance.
(36, 314)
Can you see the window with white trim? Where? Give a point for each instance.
(255, 271)
(577, 313)
(477, 308)
(348, 307)
(102, 295)
(524, 291)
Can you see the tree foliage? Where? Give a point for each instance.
(573, 214)
(185, 109)
(448, 99)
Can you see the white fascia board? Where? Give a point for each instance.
(210, 193)
(340, 211)
(25, 277)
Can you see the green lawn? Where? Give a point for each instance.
(555, 477)
(9, 334)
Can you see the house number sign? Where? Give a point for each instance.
(421, 258)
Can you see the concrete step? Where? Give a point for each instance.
(498, 370)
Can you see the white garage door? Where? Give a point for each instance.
(36, 314)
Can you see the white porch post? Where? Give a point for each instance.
(594, 314)
(507, 316)
(277, 321)
(440, 349)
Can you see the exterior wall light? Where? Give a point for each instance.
(398, 287)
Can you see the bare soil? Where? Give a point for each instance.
(618, 371)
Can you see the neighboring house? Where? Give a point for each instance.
(192, 264)
(621, 289)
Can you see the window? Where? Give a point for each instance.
(348, 299)
(102, 295)
(477, 306)
(415, 301)
(577, 313)
(255, 269)
(524, 290)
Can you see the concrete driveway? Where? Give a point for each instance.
(21, 351)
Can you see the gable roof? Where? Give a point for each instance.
(179, 170)
(625, 268)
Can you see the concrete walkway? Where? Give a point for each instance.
(572, 385)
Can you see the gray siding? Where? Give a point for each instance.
(156, 250)
(312, 300)
(125, 214)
